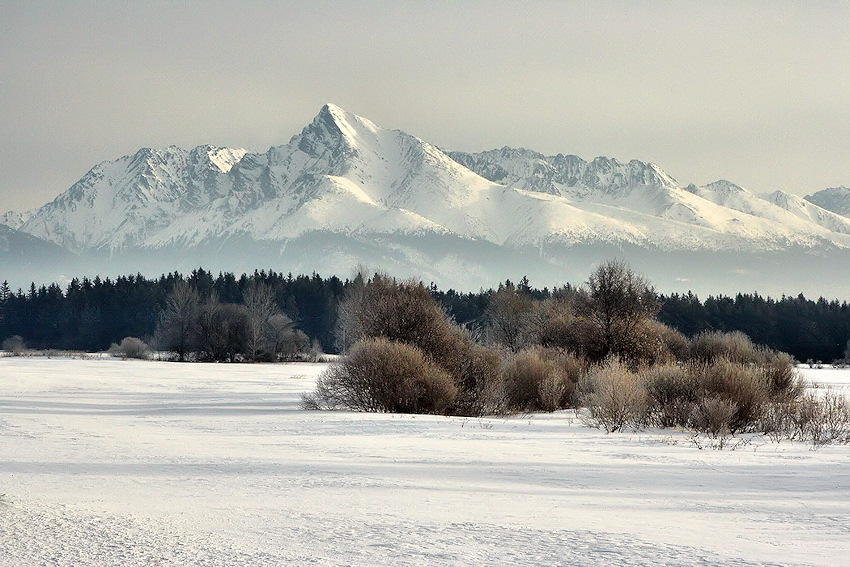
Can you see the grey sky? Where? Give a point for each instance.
(754, 92)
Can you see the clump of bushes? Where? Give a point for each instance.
(614, 396)
(400, 326)
(255, 330)
(130, 347)
(598, 347)
(540, 379)
(385, 376)
(14, 345)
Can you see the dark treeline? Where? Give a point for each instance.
(808, 330)
(91, 314)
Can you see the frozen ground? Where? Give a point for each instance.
(107, 462)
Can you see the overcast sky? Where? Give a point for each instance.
(754, 92)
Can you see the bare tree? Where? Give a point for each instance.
(401, 311)
(177, 328)
(350, 314)
(617, 301)
(260, 307)
(283, 340)
(221, 329)
(510, 315)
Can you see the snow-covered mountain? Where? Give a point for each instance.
(835, 199)
(623, 190)
(345, 191)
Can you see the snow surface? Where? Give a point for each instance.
(108, 462)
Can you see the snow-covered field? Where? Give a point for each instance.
(108, 462)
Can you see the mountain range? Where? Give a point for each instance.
(346, 192)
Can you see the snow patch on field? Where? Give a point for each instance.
(106, 462)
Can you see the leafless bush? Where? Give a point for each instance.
(675, 345)
(15, 345)
(780, 375)
(555, 325)
(714, 415)
(510, 318)
(646, 344)
(614, 396)
(405, 312)
(130, 347)
(385, 376)
(672, 391)
(781, 420)
(710, 346)
(401, 311)
(744, 385)
(477, 372)
(538, 379)
(826, 419)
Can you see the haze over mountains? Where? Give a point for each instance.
(345, 192)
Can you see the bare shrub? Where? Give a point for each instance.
(780, 375)
(385, 376)
(405, 312)
(402, 311)
(575, 334)
(825, 419)
(614, 396)
(672, 391)
(555, 325)
(538, 379)
(644, 345)
(710, 346)
(714, 415)
(130, 347)
(571, 368)
(477, 372)
(509, 316)
(738, 383)
(675, 345)
(15, 345)
(780, 420)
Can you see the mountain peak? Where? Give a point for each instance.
(723, 185)
(346, 123)
(835, 199)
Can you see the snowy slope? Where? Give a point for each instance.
(780, 207)
(642, 197)
(13, 219)
(126, 202)
(835, 199)
(569, 175)
(808, 211)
